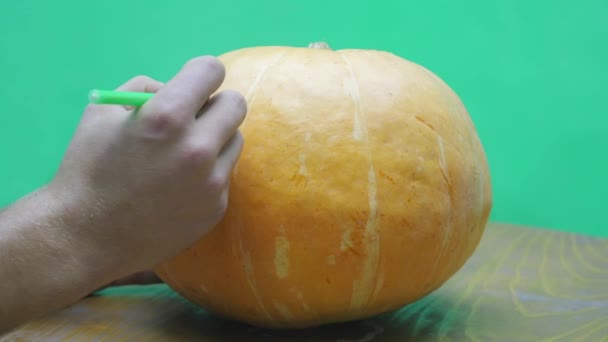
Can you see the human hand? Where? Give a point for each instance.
(144, 184)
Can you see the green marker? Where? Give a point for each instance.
(126, 98)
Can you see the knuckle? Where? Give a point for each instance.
(236, 100)
(165, 108)
(196, 154)
(141, 79)
(217, 182)
(161, 122)
(233, 104)
(164, 117)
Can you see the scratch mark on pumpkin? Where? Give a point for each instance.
(447, 229)
(443, 166)
(347, 241)
(379, 283)
(283, 310)
(281, 257)
(424, 122)
(248, 267)
(303, 169)
(250, 96)
(300, 296)
(363, 288)
(299, 180)
(251, 92)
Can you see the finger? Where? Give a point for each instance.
(229, 155)
(137, 84)
(140, 84)
(221, 119)
(176, 104)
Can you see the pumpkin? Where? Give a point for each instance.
(362, 187)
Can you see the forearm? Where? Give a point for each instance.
(43, 266)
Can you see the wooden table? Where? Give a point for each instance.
(522, 284)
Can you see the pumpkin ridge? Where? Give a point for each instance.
(363, 288)
(447, 229)
(247, 263)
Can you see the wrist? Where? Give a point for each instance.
(70, 236)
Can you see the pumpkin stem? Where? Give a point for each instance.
(319, 45)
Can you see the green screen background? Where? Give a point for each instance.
(533, 75)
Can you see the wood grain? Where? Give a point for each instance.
(522, 284)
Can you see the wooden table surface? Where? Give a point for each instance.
(521, 284)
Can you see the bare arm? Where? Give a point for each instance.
(135, 188)
(43, 266)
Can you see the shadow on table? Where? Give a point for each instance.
(427, 319)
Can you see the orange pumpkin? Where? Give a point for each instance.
(362, 187)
